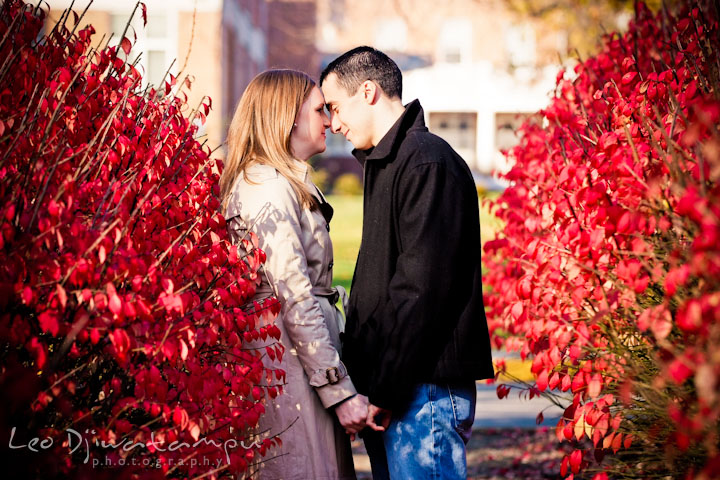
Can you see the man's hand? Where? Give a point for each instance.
(353, 414)
(378, 414)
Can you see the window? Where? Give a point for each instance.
(155, 45)
(459, 129)
(506, 124)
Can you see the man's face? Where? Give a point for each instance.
(349, 114)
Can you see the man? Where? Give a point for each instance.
(416, 337)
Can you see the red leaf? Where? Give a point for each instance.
(517, 310)
(61, 295)
(27, 295)
(594, 386)
(49, 322)
(115, 304)
(564, 465)
(169, 350)
(679, 371)
(542, 381)
(576, 458)
(194, 431)
(628, 77)
(578, 382)
(180, 417)
(183, 350)
(136, 283)
(121, 341)
(167, 285)
(126, 45)
(40, 352)
(565, 384)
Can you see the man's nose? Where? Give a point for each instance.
(334, 123)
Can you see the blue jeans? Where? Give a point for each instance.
(427, 440)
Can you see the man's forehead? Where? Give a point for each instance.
(332, 89)
(332, 93)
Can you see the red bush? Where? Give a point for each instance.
(126, 312)
(607, 271)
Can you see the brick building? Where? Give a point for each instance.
(222, 44)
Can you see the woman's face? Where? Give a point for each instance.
(308, 134)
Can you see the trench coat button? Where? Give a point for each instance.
(327, 226)
(330, 265)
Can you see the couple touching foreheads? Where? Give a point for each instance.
(402, 374)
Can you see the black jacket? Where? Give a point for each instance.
(416, 311)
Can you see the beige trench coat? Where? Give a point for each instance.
(299, 269)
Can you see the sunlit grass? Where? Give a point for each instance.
(346, 233)
(489, 223)
(517, 370)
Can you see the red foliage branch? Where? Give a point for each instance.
(607, 270)
(126, 314)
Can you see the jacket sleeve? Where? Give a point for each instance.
(274, 214)
(431, 277)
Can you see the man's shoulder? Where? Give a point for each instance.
(423, 146)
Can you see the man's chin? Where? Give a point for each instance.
(357, 146)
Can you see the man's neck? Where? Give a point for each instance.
(388, 113)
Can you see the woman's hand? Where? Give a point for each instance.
(353, 414)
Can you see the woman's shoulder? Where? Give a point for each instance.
(259, 179)
(258, 172)
(259, 186)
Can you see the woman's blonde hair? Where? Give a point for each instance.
(260, 130)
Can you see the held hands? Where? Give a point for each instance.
(356, 413)
(378, 415)
(353, 414)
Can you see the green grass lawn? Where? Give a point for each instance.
(346, 231)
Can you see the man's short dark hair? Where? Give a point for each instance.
(365, 63)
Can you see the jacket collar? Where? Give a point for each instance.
(299, 170)
(302, 171)
(412, 117)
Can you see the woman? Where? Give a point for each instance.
(265, 187)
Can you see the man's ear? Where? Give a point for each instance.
(370, 91)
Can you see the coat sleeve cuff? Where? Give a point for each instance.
(329, 375)
(333, 393)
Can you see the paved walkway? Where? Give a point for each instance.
(512, 411)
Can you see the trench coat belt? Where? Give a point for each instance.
(333, 294)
